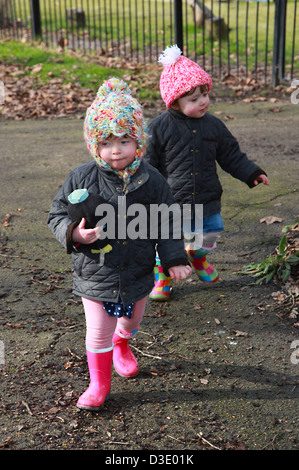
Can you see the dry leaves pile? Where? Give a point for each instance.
(289, 295)
(27, 97)
(287, 298)
(249, 88)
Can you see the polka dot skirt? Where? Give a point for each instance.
(118, 310)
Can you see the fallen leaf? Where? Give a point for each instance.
(294, 313)
(73, 424)
(6, 220)
(270, 219)
(228, 117)
(240, 333)
(275, 110)
(53, 410)
(68, 365)
(279, 296)
(14, 325)
(37, 68)
(6, 442)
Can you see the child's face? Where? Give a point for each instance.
(194, 105)
(118, 152)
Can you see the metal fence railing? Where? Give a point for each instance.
(259, 37)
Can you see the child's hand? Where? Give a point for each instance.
(85, 236)
(180, 272)
(261, 179)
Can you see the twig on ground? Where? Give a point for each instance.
(208, 442)
(27, 407)
(144, 354)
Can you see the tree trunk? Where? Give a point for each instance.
(214, 27)
(5, 10)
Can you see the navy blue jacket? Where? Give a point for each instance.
(127, 272)
(186, 152)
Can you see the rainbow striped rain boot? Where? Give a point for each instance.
(203, 268)
(163, 284)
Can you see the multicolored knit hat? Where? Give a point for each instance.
(179, 75)
(115, 112)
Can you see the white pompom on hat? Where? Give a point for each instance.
(179, 75)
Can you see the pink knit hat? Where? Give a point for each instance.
(179, 75)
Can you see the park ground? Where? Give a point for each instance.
(218, 368)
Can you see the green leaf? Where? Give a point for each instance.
(285, 273)
(282, 245)
(286, 228)
(270, 276)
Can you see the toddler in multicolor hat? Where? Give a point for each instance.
(114, 278)
(185, 143)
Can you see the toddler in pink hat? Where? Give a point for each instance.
(186, 143)
(180, 75)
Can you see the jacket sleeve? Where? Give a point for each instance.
(234, 161)
(58, 219)
(153, 145)
(170, 244)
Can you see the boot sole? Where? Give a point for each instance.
(126, 376)
(159, 299)
(93, 408)
(208, 282)
(89, 408)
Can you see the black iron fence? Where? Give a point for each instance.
(240, 37)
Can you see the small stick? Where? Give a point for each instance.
(27, 407)
(144, 354)
(207, 442)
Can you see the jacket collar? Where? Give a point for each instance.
(182, 117)
(139, 178)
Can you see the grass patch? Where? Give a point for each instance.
(44, 65)
(71, 67)
(142, 28)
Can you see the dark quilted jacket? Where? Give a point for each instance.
(127, 273)
(186, 152)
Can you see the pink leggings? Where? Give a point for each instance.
(100, 326)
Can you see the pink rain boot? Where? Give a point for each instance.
(99, 365)
(124, 361)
